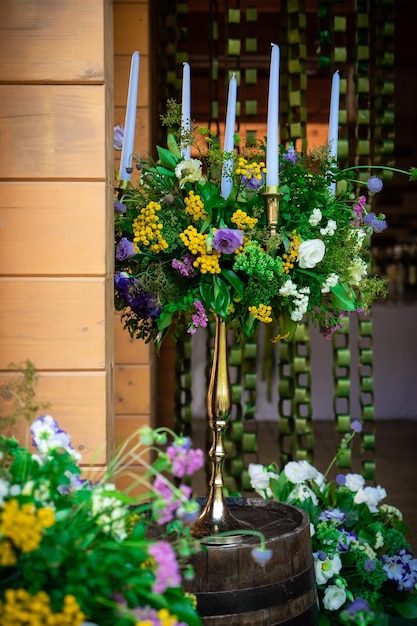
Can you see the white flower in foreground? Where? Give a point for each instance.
(259, 479)
(334, 597)
(330, 229)
(325, 567)
(354, 482)
(357, 270)
(371, 496)
(310, 253)
(301, 492)
(109, 511)
(188, 171)
(288, 289)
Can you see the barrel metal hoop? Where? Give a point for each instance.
(255, 598)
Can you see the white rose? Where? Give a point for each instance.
(300, 471)
(301, 492)
(354, 482)
(370, 496)
(310, 253)
(259, 478)
(334, 597)
(188, 171)
(326, 569)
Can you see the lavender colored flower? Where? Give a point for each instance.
(290, 155)
(227, 240)
(253, 184)
(369, 565)
(47, 435)
(376, 222)
(150, 616)
(340, 479)
(118, 137)
(401, 568)
(125, 249)
(359, 604)
(119, 207)
(167, 570)
(374, 184)
(335, 515)
(130, 290)
(169, 501)
(185, 267)
(199, 319)
(356, 426)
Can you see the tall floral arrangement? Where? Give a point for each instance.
(365, 570)
(184, 251)
(73, 550)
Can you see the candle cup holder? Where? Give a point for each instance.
(272, 203)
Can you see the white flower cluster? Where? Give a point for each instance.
(357, 270)
(330, 282)
(109, 511)
(371, 496)
(300, 299)
(315, 217)
(330, 229)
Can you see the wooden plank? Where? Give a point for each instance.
(77, 402)
(56, 323)
(121, 80)
(63, 233)
(53, 131)
(131, 28)
(129, 351)
(132, 390)
(65, 41)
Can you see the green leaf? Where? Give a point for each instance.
(164, 172)
(235, 281)
(173, 146)
(222, 297)
(342, 298)
(167, 159)
(164, 320)
(408, 608)
(249, 324)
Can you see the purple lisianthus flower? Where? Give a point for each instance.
(341, 479)
(119, 207)
(118, 137)
(253, 184)
(185, 267)
(356, 426)
(130, 290)
(125, 249)
(376, 222)
(369, 565)
(335, 515)
(358, 605)
(227, 240)
(374, 184)
(290, 155)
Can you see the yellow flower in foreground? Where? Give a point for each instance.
(24, 525)
(262, 313)
(19, 608)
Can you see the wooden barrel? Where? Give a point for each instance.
(231, 588)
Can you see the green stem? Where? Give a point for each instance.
(375, 167)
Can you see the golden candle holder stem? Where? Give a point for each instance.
(272, 205)
(215, 517)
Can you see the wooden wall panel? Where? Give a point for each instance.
(81, 415)
(129, 351)
(51, 41)
(131, 28)
(56, 323)
(132, 390)
(61, 228)
(59, 131)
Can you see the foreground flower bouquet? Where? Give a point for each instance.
(365, 571)
(72, 550)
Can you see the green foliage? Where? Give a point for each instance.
(18, 394)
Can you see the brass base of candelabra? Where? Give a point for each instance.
(215, 517)
(272, 199)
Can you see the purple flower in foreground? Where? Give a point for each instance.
(290, 155)
(185, 461)
(167, 571)
(252, 183)
(118, 137)
(227, 240)
(340, 479)
(335, 515)
(374, 184)
(130, 290)
(119, 207)
(356, 426)
(369, 565)
(376, 222)
(125, 249)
